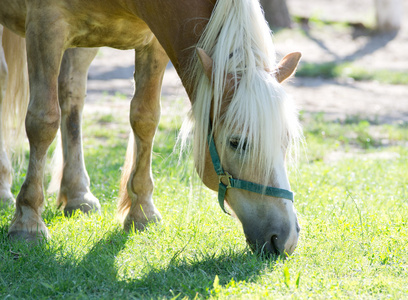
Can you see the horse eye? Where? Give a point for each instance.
(235, 144)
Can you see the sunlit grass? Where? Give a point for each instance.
(350, 70)
(353, 212)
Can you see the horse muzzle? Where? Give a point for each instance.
(273, 242)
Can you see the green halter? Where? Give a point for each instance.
(226, 181)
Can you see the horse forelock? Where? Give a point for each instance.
(239, 41)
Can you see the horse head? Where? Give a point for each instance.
(253, 157)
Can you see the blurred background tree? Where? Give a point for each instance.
(388, 14)
(276, 13)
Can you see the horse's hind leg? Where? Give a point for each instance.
(6, 198)
(136, 203)
(74, 191)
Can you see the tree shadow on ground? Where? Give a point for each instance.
(375, 41)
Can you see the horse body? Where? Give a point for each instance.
(126, 24)
(158, 31)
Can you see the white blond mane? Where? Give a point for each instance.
(239, 41)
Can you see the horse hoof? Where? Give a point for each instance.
(84, 207)
(87, 204)
(130, 225)
(6, 199)
(28, 237)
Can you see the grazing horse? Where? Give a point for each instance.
(243, 122)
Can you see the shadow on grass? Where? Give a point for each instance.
(198, 277)
(47, 270)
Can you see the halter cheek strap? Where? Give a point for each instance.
(226, 181)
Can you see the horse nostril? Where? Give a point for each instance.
(275, 247)
(271, 245)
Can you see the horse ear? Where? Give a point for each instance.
(287, 66)
(206, 62)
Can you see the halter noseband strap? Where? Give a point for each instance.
(226, 181)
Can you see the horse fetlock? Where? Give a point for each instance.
(5, 167)
(28, 226)
(6, 198)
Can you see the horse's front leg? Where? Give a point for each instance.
(136, 204)
(74, 192)
(6, 198)
(45, 45)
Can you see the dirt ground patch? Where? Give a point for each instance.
(111, 72)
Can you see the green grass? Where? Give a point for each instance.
(352, 135)
(353, 212)
(349, 70)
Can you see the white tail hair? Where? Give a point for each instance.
(56, 168)
(14, 106)
(124, 200)
(239, 41)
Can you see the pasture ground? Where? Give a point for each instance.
(350, 184)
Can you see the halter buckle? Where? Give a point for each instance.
(227, 177)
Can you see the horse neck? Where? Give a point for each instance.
(178, 26)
